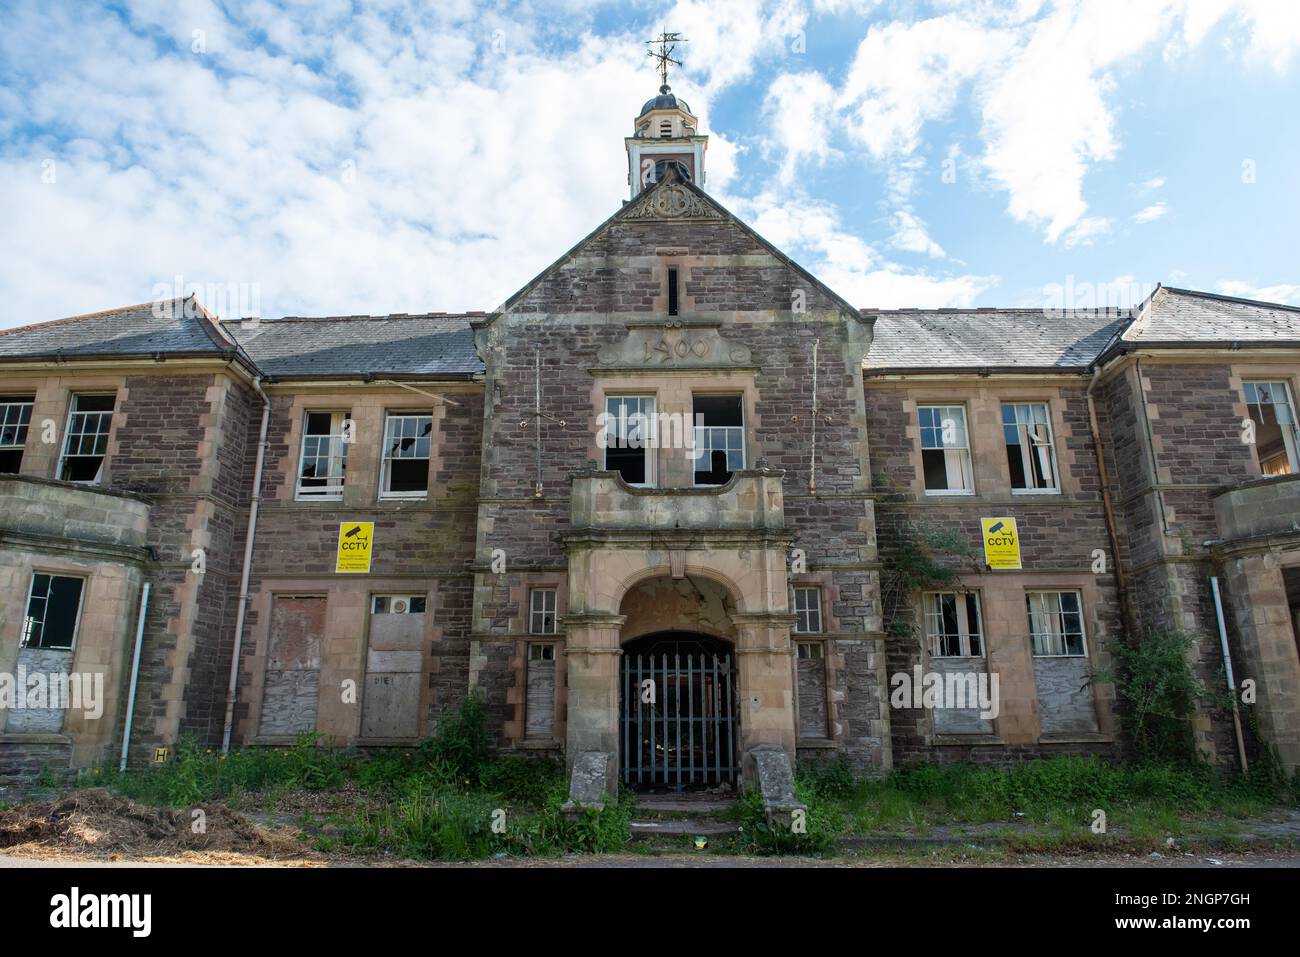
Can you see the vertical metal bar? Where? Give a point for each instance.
(690, 708)
(677, 710)
(654, 700)
(717, 731)
(730, 702)
(663, 707)
(640, 731)
(625, 718)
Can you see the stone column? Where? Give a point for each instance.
(1258, 603)
(591, 655)
(765, 684)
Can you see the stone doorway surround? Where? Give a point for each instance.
(732, 538)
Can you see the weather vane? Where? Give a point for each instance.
(667, 43)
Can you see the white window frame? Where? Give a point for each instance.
(810, 650)
(617, 426)
(1290, 433)
(409, 599)
(541, 651)
(537, 615)
(1032, 446)
(11, 418)
(390, 440)
(704, 436)
(24, 634)
(336, 458)
(101, 418)
(806, 613)
(935, 633)
(1048, 632)
(957, 454)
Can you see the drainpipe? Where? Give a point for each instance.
(1126, 611)
(1227, 667)
(231, 688)
(1151, 447)
(135, 676)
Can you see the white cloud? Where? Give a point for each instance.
(799, 106)
(910, 235)
(1150, 213)
(813, 234)
(1288, 293)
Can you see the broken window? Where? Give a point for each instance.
(808, 611)
(52, 611)
(325, 439)
(945, 450)
(629, 435)
(952, 625)
(541, 611)
(1030, 455)
(404, 472)
(15, 416)
(1273, 414)
(86, 440)
(1056, 623)
(719, 438)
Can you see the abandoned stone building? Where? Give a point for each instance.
(652, 509)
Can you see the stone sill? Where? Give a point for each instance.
(34, 738)
(538, 744)
(1076, 738)
(966, 740)
(814, 743)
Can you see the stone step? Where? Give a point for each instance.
(700, 828)
(704, 805)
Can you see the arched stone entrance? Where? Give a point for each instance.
(725, 583)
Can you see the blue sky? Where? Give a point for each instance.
(340, 156)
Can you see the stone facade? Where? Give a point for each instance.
(791, 563)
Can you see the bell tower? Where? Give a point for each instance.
(665, 131)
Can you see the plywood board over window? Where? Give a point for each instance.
(292, 690)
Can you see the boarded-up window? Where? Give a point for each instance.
(1062, 673)
(811, 665)
(292, 689)
(539, 712)
(390, 703)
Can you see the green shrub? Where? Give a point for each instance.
(461, 739)
(523, 780)
(1154, 680)
(822, 824)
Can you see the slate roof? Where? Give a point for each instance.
(994, 339)
(403, 345)
(1184, 316)
(177, 327)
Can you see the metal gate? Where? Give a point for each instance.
(678, 713)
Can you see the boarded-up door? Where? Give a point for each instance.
(390, 706)
(292, 689)
(539, 709)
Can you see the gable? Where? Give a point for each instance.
(723, 265)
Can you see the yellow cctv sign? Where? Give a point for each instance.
(356, 543)
(1001, 542)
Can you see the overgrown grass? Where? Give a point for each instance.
(1051, 793)
(450, 798)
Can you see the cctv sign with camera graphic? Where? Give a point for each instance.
(1001, 542)
(356, 544)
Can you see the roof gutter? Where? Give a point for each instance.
(232, 687)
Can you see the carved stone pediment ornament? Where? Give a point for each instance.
(672, 202)
(673, 345)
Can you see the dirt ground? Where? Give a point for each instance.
(94, 825)
(97, 827)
